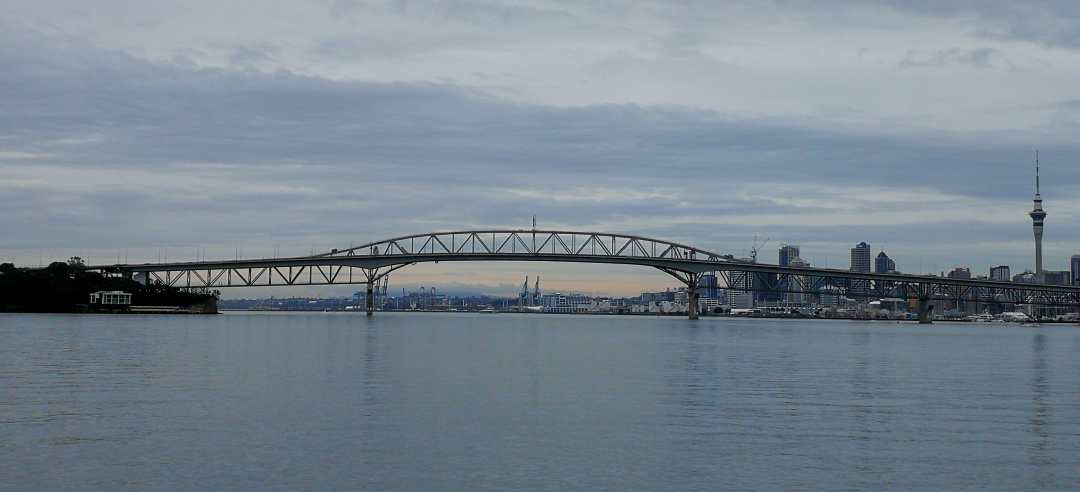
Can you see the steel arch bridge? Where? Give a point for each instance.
(369, 263)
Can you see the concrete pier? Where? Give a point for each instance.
(926, 311)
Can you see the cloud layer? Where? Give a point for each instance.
(909, 125)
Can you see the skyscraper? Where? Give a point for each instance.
(1000, 273)
(884, 264)
(708, 286)
(1037, 215)
(860, 258)
(860, 262)
(1074, 262)
(788, 252)
(789, 256)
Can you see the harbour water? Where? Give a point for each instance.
(432, 401)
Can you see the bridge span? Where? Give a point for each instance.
(368, 263)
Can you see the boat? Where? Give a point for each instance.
(1016, 316)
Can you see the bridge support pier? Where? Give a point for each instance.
(692, 301)
(370, 298)
(926, 311)
(691, 280)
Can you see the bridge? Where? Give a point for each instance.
(368, 263)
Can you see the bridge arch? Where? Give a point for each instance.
(684, 262)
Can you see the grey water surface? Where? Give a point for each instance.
(430, 401)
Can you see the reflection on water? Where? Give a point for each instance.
(445, 401)
(1040, 450)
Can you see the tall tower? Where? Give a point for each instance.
(1037, 215)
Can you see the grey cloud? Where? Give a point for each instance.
(1051, 22)
(976, 58)
(481, 12)
(190, 156)
(253, 56)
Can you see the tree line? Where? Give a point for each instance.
(64, 287)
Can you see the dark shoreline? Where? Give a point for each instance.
(68, 288)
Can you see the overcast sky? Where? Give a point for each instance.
(138, 129)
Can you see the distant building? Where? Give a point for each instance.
(740, 295)
(1074, 262)
(708, 287)
(860, 258)
(960, 273)
(1056, 277)
(558, 302)
(1000, 273)
(765, 287)
(1027, 277)
(860, 262)
(647, 297)
(884, 264)
(798, 284)
(787, 253)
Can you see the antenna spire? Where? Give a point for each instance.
(1036, 172)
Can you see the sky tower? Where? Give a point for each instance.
(1037, 215)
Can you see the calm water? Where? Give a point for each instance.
(533, 402)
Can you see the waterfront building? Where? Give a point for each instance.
(884, 264)
(738, 299)
(830, 296)
(566, 303)
(739, 294)
(110, 298)
(1000, 273)
(708, 304)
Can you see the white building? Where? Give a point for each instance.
(110, 298)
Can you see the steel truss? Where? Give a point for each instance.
(499, 242)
